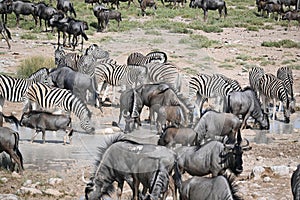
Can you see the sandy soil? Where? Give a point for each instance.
(235, 44)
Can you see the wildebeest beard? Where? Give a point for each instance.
(233, 160)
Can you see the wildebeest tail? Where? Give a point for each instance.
(73, 10)
(11, 119)
(16, 148)
(177, 177)
(232, 185)
(84, 35)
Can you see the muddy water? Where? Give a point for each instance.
(56, 156)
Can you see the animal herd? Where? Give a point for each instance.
(62, 17)
(199, 145)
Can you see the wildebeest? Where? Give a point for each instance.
(45, 12)
(91, 1)
(23, 8)
(10, 119)
(147, 3)
(292, 15)
(60, 22)
(213, 158)
(5, 8)
(66, 6)
(131, 106)
(104, 15)
(5, 33)
(120, 159)
(272, 8)
(173, 135)
(43, 121)
(77, 28)
(246, 103)
(209, 5)
(78, 83)
(169, 115)
(295, 183)
(163, 94)
(9, 143)
(215, 126)
(203, 188)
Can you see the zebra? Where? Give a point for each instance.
(92, 54)
(255, 75)
(205, 86)
(116, 75)
(273, 88)
(63, 59)
(286, 75)
(48, 98)
(139, 59)
(164, 72)
(236, 87)
(15, 89)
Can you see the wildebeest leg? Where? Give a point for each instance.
(69, 133)
(35, 134)
(16, 159)
(205, 14)
(136, 184)
(18, 19)
(244, 122)
(120, 189)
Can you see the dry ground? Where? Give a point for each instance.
(235, 44)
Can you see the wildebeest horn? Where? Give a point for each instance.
(125, 114)
(246, 147)
(83, 179)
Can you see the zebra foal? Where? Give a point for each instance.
(272, 88)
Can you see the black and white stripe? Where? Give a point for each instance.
(205, 86)
(234, 83)
(255, 75)
(15, 89)
(63, 59)
(49, 98)
(272, 88)
(139, 59)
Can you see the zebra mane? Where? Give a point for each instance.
(232, 185)
(38, 73)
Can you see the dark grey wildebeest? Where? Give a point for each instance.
(209, 5)
(204, 188)
(23, 8)
(131, 106)
(213, 158)
(214, 125)
(247, 104)
(5, 8)
(124, 160)
(295, 183)
(43, 121)
(44, 12)
(66, 6)
(163, 94)
(292, 15)
(78, 83)
(5, 33)
(172, 136)
(9, 143)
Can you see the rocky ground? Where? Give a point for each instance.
(267, 167)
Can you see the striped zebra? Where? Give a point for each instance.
(286, 75)
(63, 59)
(117, 75)
(272, 88)
(234, 83)
(139, 59)
(255, 75)
(15, 89)
(48, 98)
(205, 86)
(164, 72)
(92, 54)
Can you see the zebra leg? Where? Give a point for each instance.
(274, 110)
(1, 103)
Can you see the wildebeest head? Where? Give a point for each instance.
(264, 122)
(130, 121)
(234, 156)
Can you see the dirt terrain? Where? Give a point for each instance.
(238, 50)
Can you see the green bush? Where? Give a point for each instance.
(282, 43)
(31, 65)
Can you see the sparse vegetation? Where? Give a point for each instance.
(282, 43)
(31, 65)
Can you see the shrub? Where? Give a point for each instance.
(31, 65)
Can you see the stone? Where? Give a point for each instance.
(257, 171)
(54, 181)
(280, 170)
(16, 175)
(53, 192)
(267, 179)
(3, 180)
(27, 183)
(30, 191)
(9, 197)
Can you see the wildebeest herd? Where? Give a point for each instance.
(62, 17)
(198, 133)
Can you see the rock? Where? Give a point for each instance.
(8, 197)
(3, 180)
(30, 191)
(54, 181)
(280, 170)
(16, 175)
(53, 192)
(27, 183)
(257, 171)
(267, 179)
